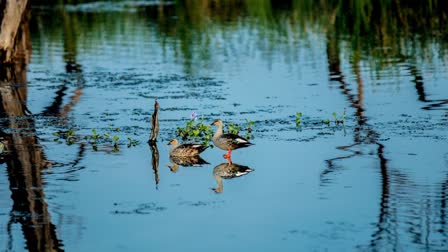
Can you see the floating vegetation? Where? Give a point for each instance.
(337, 120)
(235, 128)
(71, 137)
(340, 120)
(196, 131)
(132, 142)
(298, 118)
(68, 136)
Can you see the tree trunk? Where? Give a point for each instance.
(13, 15)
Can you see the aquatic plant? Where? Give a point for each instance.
(250, 125)
(196, 132)
(337, 120)
(132, 142)
(68, 136)
(95, 137)
(115, 139)
(71, 137)
(235, 128)
(298, 118)
(340, 120)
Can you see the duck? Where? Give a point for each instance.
(228, 171)
(185, 150)
(228, 141)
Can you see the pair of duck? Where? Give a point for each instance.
(228, 142)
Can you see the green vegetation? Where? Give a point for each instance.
(337, 120)
(235, 128)
(68, 136)
(71, 137)
(376, 31)
(340, 120)
(298, 118)
(196, 132)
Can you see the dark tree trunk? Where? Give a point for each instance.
(14, 16)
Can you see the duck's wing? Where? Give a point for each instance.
(189, 150)
(236, 141)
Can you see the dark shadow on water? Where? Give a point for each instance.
(228, 171)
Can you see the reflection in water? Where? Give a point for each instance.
(25, 158)
(185, 161)
(437, 104)
(213, 32)
(417, 225)
(73, 70)
(155, 161)
(228, 171)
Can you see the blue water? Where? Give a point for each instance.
(378, 182)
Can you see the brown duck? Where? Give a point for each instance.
(185, 150)
(228, 141)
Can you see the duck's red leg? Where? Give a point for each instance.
(229, 160)
(228, 155)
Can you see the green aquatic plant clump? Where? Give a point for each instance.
(234, 128)
(196, 131)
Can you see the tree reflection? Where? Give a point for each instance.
(25, 158)
(417, 225)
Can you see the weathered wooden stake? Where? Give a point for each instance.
(154, 124)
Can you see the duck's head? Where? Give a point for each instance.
(217, 122)
(172, 142)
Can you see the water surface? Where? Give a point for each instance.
(377, 182)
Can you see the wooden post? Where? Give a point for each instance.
(12, 14)
(154, 124)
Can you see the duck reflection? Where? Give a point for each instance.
(186, 162)
(228, 171)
